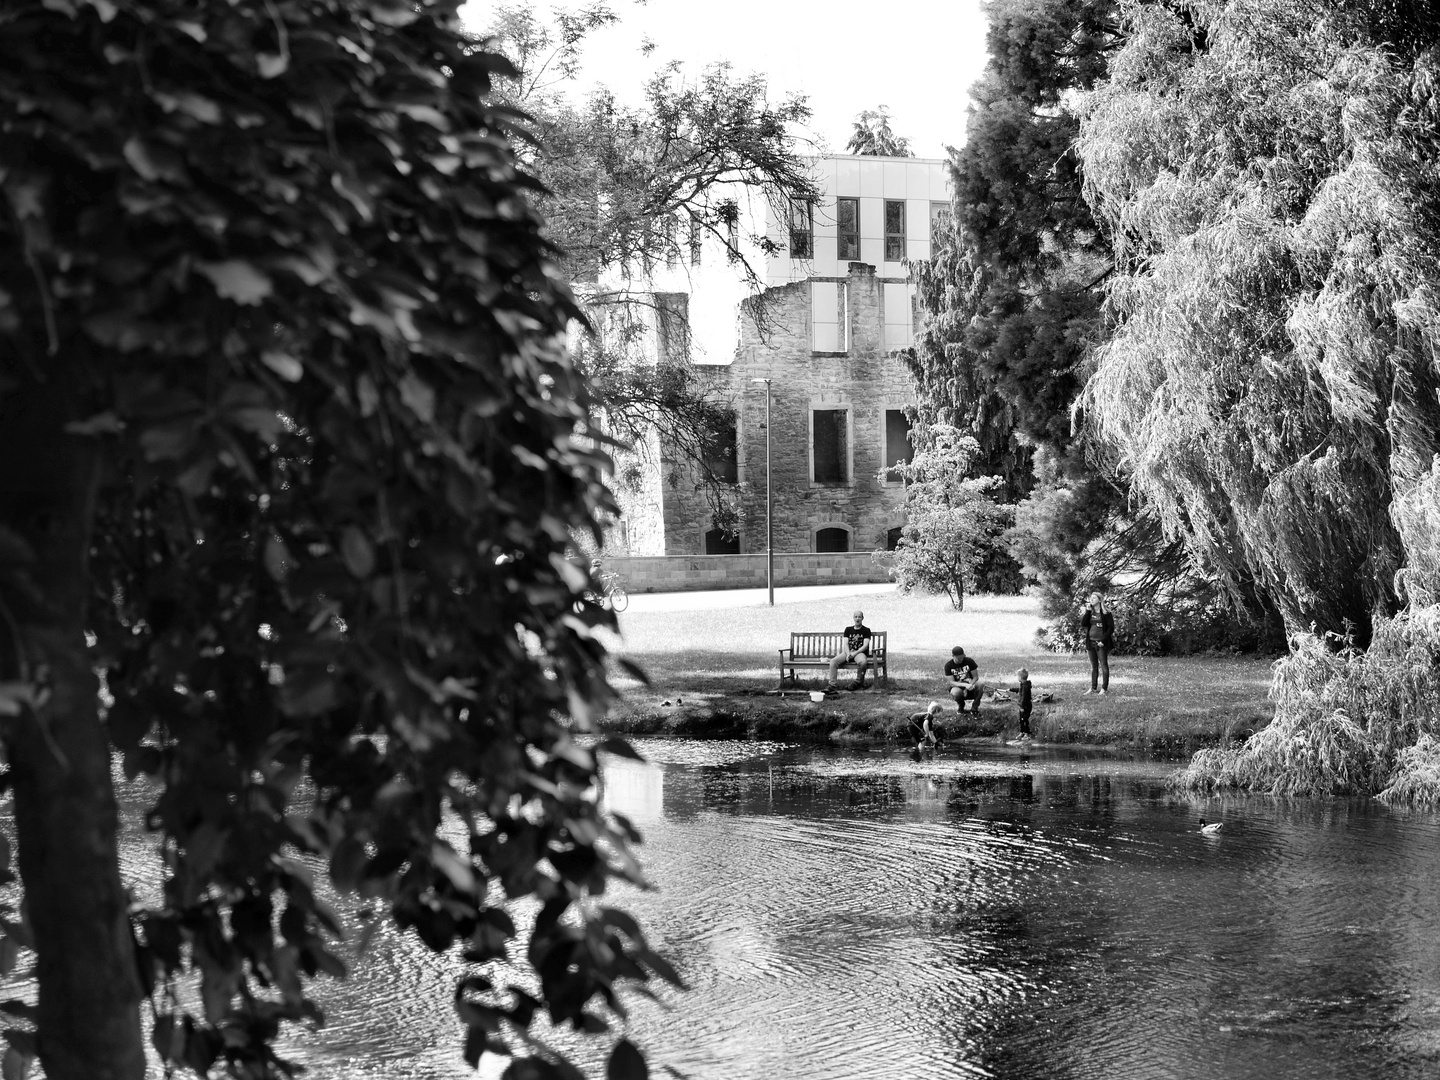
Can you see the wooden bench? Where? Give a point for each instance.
(814, 650)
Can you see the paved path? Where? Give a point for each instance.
(731, 598)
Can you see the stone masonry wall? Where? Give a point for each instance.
(775, 344)
(687, 573)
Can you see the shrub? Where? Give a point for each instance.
(1173, 622)
(1346, 722)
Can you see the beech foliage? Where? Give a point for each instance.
(291, 436)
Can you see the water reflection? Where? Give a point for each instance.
(1009, 915)
(865, 915)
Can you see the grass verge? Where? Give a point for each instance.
(715, 673)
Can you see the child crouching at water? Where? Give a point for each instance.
(924, 727)
(1025, 703)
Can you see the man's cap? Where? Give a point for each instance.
(957, 651)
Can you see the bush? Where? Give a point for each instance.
(1172, 623)
(1346, 722)
(952, 524)
(1416, 778)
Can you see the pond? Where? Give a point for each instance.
(993, 913)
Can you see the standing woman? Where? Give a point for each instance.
(1099, 627)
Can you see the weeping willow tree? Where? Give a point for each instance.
(1270, 384)
(1266, 170)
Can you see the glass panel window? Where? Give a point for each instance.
(892, 537)
(894, 230)
(847, 229)
(802, 230)
(832, 540)
(832, 464)
(897, 442)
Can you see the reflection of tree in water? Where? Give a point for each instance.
(1043, 920)
(1222, 956)
(1047, 924)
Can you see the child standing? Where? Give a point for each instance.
(1025, 703)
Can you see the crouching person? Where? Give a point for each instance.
(925, 727)
(962, 674)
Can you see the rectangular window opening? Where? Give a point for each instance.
(717, 542)
(802, 229)
(847, 229)
(897, 443)
(719, 451)
(894, 230)
(832, 465)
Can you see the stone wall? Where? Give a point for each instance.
(863, 381)
(639, 494)
(688, 573)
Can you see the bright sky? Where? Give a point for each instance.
(919, 57)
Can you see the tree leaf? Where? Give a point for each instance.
(191, 104)
(203, 848)
(153, 161)
(620, 748)
(169, 441)
(15, 1065)
(311, 692)
(634, 670)
(238, 280)
(9, 954)
(283, 364)
(168, 1038)
(105, 423)
(278, 560)
(418, 397)
(626, 1063)
(23, 1042)
(357, 551)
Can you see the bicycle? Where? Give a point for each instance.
(613, 595)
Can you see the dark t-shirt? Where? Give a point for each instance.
(857, 637)
(1025, 696)
(1098, 632)
(917, 726)
(964, 668)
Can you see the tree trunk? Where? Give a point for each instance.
(65, 813)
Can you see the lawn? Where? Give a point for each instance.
(716, 672)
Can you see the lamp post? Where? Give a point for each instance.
(769, 507)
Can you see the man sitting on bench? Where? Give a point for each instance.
(856, 651)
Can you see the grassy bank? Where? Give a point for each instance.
(714, 673)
